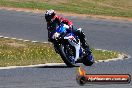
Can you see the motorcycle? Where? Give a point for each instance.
(70, 48)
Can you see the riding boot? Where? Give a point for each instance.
(85, 45)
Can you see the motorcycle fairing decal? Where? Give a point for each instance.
(61, 28)
(71, 38)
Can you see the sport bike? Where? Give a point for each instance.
(69, 47)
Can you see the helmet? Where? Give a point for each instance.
(49, 14)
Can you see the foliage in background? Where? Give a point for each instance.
(122, 8)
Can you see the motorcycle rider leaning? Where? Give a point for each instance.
(53, 21)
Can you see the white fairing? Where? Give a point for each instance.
(74, 43)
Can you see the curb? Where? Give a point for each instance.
(121, 56)
(33, 41)
(29, 66)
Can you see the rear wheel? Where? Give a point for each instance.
(87, 61)
(88, 58)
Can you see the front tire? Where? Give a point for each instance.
(64, 57)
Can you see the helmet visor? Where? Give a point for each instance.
(48, 18)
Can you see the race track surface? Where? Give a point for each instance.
(102, 34)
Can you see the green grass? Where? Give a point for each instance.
(16, 52)
(121, 8)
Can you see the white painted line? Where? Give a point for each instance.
(14, 38)
(46, 42)
(35, 41)
(1, 36)
(103, 50)
(39, 65)
(6, 37)
(20, 39)
(26, 40)
(23, 40)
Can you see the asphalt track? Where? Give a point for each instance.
(103, 34)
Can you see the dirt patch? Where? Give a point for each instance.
(69, 14)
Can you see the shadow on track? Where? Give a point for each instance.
(57, 66)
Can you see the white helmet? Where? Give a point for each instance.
(49, 14)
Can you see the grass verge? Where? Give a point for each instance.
(120, 8)
(19, 53)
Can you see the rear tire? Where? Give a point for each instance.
(87, 62)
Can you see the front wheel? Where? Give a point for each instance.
(66, 55)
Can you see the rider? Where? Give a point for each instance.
(54, 20)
